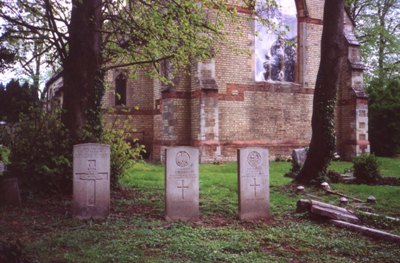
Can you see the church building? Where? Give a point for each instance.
(262, 97)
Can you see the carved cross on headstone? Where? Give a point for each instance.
(91, 177)
(255, 186)
(183, 188)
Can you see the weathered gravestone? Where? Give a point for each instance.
(182, 183)
(299, 156)
(10, 194)
(253, 182)
(91, 170)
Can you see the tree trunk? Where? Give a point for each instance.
(83, 78)
(323, 142)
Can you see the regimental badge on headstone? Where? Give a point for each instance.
(182, 183)
(253, 182)
(91, 184)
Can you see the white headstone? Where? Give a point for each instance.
(91, 170)
(182, 183)
(253, 178)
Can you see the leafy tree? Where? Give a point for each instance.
(96, 35)
(7, 55)
(322, 144)
(378, 29)
(32, 54)
(384, 116)
(16, 99)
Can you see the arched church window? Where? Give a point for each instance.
(276, 45)
(120, 89)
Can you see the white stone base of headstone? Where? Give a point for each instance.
(253, 183)
(182, 183)
(91, 184)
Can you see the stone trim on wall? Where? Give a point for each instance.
(130, 111)
(235, 92)
(309, 20)
(354, 101)
(246, 143)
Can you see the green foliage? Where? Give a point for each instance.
(4, 154)
(40, 155)
(7, 57)
(366, 169)
(378, 29)
(125, 150)
(16, 99)
(384, 117)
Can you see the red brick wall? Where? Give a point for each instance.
(219, 107)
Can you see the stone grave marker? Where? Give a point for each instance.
(9, 191)
(299, 156)
(181, 183)
(91, 168)
(253, 183)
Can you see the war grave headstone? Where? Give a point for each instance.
(91, 184)
(181, 183)
(253, 183)
(299, 156)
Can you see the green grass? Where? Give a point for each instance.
(137, 232)
(389, 166)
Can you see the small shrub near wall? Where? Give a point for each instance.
(125, 151)
(366, 169)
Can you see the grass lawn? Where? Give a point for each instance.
(137, 232)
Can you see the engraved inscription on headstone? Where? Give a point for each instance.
(253, 178)
(91, 180)
(182, 183)
(255, 186)
(182, 186)
(91, 176)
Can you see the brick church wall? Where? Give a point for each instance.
(220, 107)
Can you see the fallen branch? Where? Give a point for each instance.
(371, 232)
(312, 196)
(343, 195)
(379, 216)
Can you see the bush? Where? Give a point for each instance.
(40, 153)
(384, 117)
(366, 169)
(4, 153)
(125, 150)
